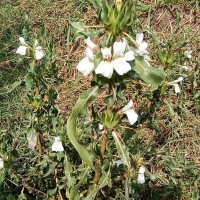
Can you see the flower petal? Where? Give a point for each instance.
(39, 53)
(178, 80)
(141, 170)
(121, 66)
(89, 54)
(119, 48)
(91, 45)
(57, 145)
(105, 69)
(101, 127)
(128, 106)
(143, 46)
(1, 163)
(129, 56)
(141, 179)
(132, 116)
(22, 41)
(85, 66)
(177, 88)
(106, 52)
(139, 38)
(21, 50)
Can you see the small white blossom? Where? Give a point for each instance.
(22, 48)
(142, 47)
(91, 45)
(117, 61)
(129, 111)
(177, 88)
(188, 54)
(141, 177)
(101, 127)
(1, 163)
(39, 53)
(86, 65)
(57, 145)
(176, 85)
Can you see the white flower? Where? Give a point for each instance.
(176, 85)
(57, 145)
(39, 53)
(177, 88)
(188, 54)
(142, 47)
(22, 48)
(91, 45)
(129, 111)
(1, 163)
(101, 127)
(116, 61)
(86, 65)
(141, 178)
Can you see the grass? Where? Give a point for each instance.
(171, 140)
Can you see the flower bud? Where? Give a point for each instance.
(118, 3)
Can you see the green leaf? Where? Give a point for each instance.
(68, 170)
(122, 150)
(73, 193)
(51, 192)
(148, 74)
(79, 108)
(78, 26)
(50, 170)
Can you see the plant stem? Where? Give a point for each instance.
(104, 143)
(132, 40)
(39, 144)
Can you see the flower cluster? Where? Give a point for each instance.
(22, 49)
(113, 58)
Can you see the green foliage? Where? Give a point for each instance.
(149, 75)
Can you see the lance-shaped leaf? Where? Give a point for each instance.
(122, 150)
(148, 74)
(80, 107)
